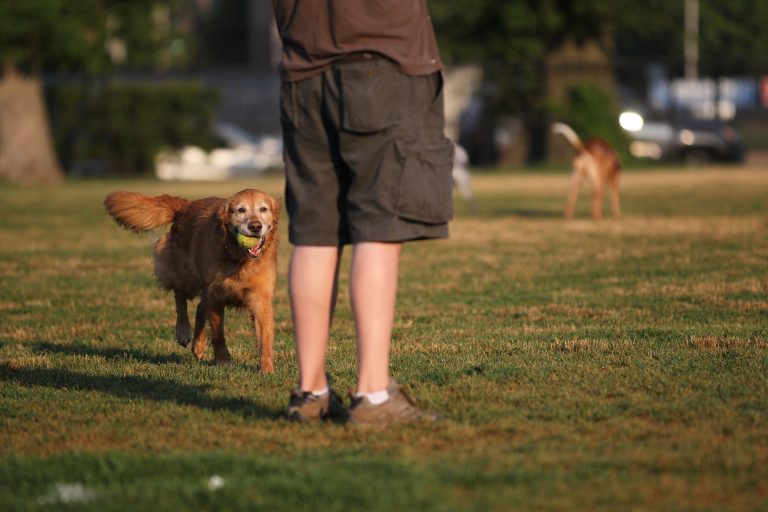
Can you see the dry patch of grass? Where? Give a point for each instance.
(582, 345)
(724, 343)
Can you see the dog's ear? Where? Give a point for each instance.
(223, 214)
(277, 208)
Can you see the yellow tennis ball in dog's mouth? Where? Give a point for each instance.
(247, 241)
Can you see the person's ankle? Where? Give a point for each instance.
(375, 398)
(318, 386)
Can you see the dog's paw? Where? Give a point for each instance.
(221, 355)
(183, 335)
(198, 350)
(266, 367)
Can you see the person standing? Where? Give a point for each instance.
(368, 165)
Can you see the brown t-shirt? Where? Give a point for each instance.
(317, 32)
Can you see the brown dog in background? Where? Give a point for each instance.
(221, 250)
(595, 159)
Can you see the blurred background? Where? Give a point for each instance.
(188, 89)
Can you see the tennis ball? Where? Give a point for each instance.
(247, 241)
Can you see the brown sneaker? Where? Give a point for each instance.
(305, 407)
(399, 408)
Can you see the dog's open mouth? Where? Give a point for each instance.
(254, 245)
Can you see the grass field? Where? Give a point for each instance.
(578, 366)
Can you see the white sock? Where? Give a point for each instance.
(321, 392)
(376, 398)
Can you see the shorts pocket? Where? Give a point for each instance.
(369, 96)
(426, 185)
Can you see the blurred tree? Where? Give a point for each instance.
(514, 38)
(513, 41)
(733, 37)
(517, 35)
(84, 37)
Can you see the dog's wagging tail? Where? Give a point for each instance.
(222, 251)
(139, 213)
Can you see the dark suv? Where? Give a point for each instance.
(692, 141)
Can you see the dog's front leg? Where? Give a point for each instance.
(216, 318)
(183, 329)
(263, 318)
(201, 316)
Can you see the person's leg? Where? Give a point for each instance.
(312, 284)
(379, 401)
(373, 292)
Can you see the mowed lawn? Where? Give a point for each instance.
(618, 365)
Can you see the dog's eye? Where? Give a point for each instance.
(241, 209)
(263, 209)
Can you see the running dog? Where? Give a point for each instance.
(223, 251)
(596, 160)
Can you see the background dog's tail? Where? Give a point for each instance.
(137, 212)
(568, 133)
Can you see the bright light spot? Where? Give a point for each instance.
(687, 137)
(642, 149)
(631, 121)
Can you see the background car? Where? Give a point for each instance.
(693, 141)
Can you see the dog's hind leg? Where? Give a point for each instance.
(597, 201)
(183, 329)
(216, 319)
(573, 193)
(201, 316)
(613, 183)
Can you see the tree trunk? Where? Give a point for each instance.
(26, 150)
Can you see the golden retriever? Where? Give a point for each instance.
(596, 160)
(223, 251)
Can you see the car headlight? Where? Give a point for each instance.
(631, 121)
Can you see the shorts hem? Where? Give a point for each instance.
(404, 233)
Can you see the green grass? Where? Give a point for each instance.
(578, 366)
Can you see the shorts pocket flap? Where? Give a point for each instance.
(426, 185)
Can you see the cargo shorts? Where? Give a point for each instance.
(366, 159)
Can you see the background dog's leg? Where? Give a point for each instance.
(201, 316)
(614, 191)
(264, 330)
(216, 319)
(573, 192)
(183, 329)
(597, 201)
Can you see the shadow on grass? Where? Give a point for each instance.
(116, 354)
(135, 387)
(78, 349)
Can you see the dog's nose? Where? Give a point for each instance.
(255, 227)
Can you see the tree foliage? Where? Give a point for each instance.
(55, 35)
(515, 32)
(733, 36)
